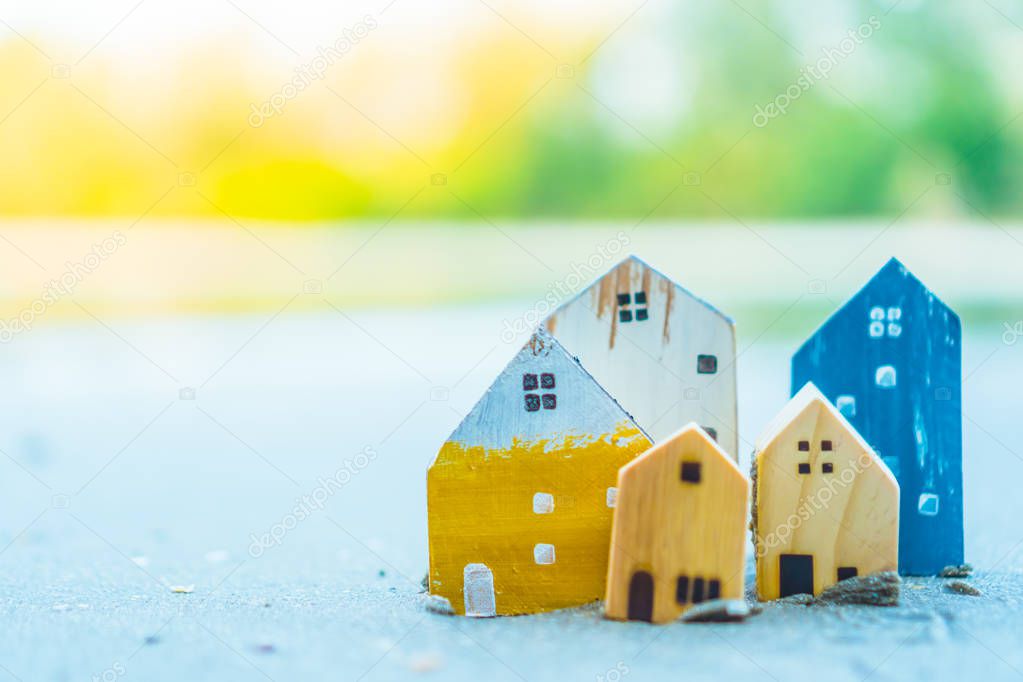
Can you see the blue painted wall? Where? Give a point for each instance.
(891, 360)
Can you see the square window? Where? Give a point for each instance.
(640, 297)
(928, 504)
(550, 401)
(826, 446)
(543, 553)
(804, 467)
(529, 382)
(546, 380)
(714, 589)
(697, 590)
(624, 299)
(682, 589)
(612, 497)
(641, 315)
(706, 364)
(827, 467)
(804, 446)
(885, 376)
(532, 402)
(625, 316)
(691, 472)
(846, 405)
(543, 503)
(846, 572)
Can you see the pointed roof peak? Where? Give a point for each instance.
(808, 395)
(690, 430)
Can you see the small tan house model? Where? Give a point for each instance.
(825, 507)
(679, 533)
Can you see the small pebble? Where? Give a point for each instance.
(962, 587)
(438, 604)
(425, 663)
(151, 640)
(960, 571)
(382, 573)
(265, 648)
(720, 611)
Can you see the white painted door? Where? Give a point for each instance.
(478, 590)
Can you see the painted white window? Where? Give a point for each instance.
(879, 316)
(885, 376)
(846, 404)
(478, 591)
(543, 553)
(612, 497)
(928, 504)
(543, 503)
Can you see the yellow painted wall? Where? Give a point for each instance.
(480, 506)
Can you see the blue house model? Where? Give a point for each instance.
(890, 360)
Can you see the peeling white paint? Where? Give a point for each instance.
(543, 553)
(543, 503)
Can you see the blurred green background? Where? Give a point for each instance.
(522, 109)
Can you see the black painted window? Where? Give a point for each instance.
(804, 467)
(714, 589)
(633, 307)
(625, 316)
(827, 467)
(682, 589)
(826, 445)
(546, 380)
(529, 382)
(691, 472)
(550, 401)
(697, 590)
(624, 299)
(845, 572)
(532, 402)
(706, 364)
(804, 446)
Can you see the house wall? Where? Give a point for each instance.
(481, 510)
(650, 366)
(848, 517)
(672, 528)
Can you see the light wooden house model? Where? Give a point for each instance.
(520, 498)
(667, 356)
(825, 507)
(679, 530)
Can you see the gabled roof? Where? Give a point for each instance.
(584, 409)
(808, 396)
(636, 259)
(891, 271)
(691, 430)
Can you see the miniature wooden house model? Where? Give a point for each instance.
(520, 497)
(825, 507)
(679, 529)
(667, 356)
(891, 361)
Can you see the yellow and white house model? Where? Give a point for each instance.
(520, 498)
(666, 355)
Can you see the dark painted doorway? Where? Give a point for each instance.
(796, 574)
(641, 596)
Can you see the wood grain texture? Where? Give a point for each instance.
(520, 497)
(822, 493)
(891, 358)
(681, 515)
(646, 353)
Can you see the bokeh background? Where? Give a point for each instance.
(242, 241)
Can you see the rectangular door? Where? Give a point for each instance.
(796, 571)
